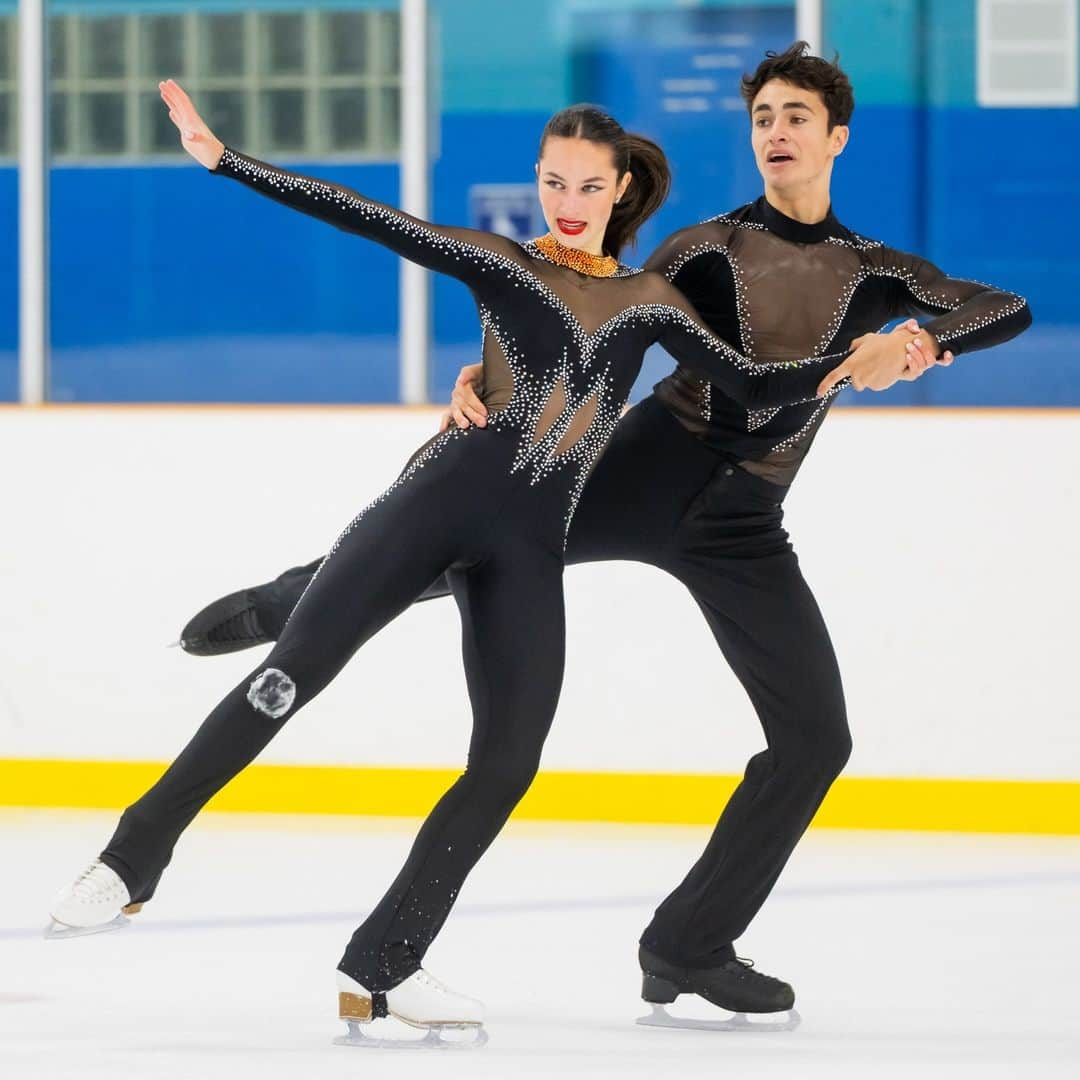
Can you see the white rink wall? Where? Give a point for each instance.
(941, 545)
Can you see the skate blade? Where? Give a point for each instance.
(435, 1038)
(57, 931)
(660, 1017)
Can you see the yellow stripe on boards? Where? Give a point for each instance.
(1007, 806)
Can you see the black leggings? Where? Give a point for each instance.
(659, 496)
(502, 549)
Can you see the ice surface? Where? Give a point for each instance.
(923, 956)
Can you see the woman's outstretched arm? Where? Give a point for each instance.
(467, 254)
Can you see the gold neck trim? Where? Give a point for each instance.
(582, 261)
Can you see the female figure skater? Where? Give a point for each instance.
(565, 328)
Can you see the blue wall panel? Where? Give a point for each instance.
(1003, 198)
(170, 285)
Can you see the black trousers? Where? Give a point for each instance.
(659, 496)
(456, 510)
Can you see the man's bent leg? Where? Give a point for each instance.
(770, 629)
(256, 616)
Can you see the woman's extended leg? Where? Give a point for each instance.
(380, 565)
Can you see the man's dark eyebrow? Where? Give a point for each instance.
(786, 105)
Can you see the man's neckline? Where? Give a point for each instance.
(796, 231)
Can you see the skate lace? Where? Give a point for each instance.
(92, 881)
(424, 979)
(749, 971)
(242, 626)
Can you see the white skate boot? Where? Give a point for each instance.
(95, 902)
(421, 1001)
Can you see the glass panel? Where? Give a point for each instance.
(224, 44)
(59, 125)
(346, 36)
(283, 119)
(58, 46)
(284, 44)
(346, 119)
(1029, 20)
(7, 34)
(104, 55)
(388, 58)
(105, 123)
(1030, 73)
(161, 52)
(224, 112)
(159, 132)
(7, 134)
(390, 116)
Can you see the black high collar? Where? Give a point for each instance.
(787, 228)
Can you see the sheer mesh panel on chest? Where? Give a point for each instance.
(794, 295)
(592, 301)
(572, 402)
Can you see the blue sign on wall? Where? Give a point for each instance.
(511, 210)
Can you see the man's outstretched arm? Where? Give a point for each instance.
(963, 316)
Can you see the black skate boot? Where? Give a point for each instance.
(732, 984)
(227, 625)
(247, 618)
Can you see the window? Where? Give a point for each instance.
(7, 86)
(1027, 52)
(297, 82)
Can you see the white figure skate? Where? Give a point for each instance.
(97, 901)
(420, 1002)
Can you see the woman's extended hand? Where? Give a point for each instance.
(195, 137)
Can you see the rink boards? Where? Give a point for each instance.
(939, 545)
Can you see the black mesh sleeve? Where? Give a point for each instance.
(966, 315)
(466, 254)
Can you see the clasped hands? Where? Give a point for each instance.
(879, 360)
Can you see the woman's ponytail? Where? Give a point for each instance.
(649, 187)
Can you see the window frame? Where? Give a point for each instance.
(989, 49)
(314, 81)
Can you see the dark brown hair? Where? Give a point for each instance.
(796, 66)
(634, 154)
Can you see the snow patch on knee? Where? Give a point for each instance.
(272, 693)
